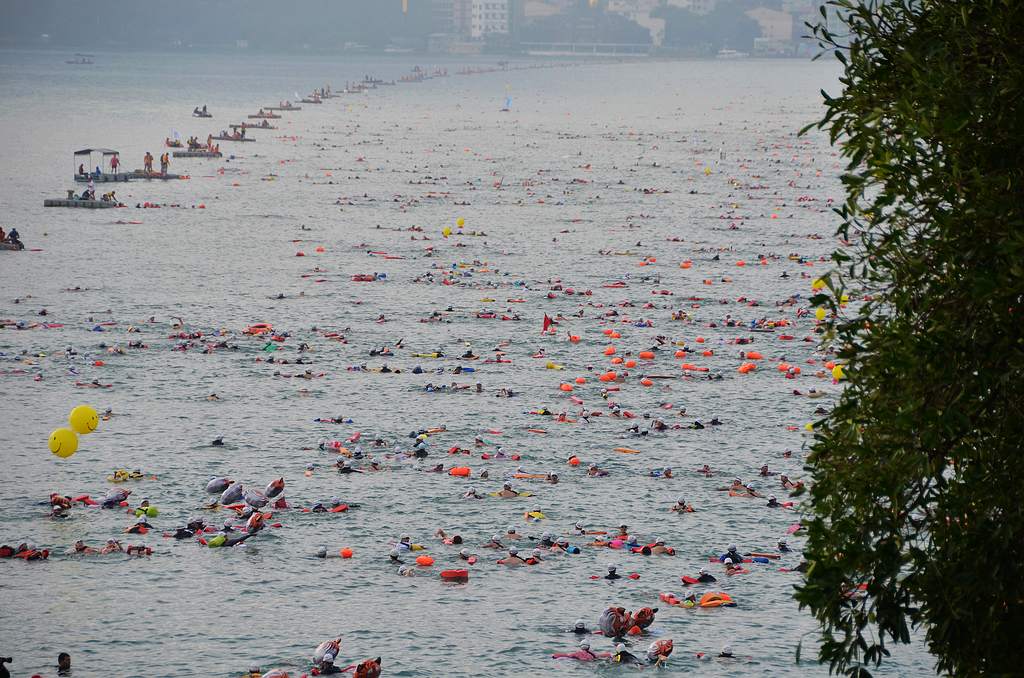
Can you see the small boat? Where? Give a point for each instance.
(201, 114)
(11, 247)
(102, 178)
(283, 108)
(264, 116)
(231, 138)
(197, 154)
(173, 144)
(81, 61)
(311, 101)
(143, 174)
(87, 204)
(247, 125)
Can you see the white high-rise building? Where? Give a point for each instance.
(489, 16)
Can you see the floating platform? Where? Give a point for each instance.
(282, 108)
(202, 115)
(251, 126)
(233, 139)
(87, 204)
(197, 154)
(143, 174)
(265, 116)
(311, 101)
(101, 178)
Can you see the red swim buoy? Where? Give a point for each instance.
(455, 575)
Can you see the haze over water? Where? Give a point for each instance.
(551, 183)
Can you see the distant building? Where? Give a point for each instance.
(776, 26)
(639, 11)
(695, 6)
(489, 16)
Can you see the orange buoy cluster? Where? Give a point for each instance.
(747, 367)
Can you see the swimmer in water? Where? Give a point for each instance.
(513, 558)
(471, 494)
(705, 577)
(510, 533)
(580, 628)
(507, 492)
(494, 543)
(681, 506)
(394, 557)
(612, 574)
(623, 656)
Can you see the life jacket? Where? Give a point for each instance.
(644, 617)
(368, 669)
(615, 621)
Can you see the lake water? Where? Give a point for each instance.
(644, 159)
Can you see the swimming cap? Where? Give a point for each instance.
(495, 537)
(579, 524)
(513, 552)
(309, 467)
(394, 553)
(681, 500)
(584, 645)
(321, 552)
(732, 547)
(611, 567)
(620, 648)
(536, 553)
(563, 540)
(464, 552)
(668, 469)
(546, 536)
(771, 498)
(403, 569)
(659, 540)
(702, 571)
(510, 530)
(334, 501)
(404, 537)
(580, 624)
(727, 650)
(782, 542)
(727, 561)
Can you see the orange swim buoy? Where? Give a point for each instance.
(345, 552)
(609, 350)
(708, 353)
(580, 380)
(646, 355)
(460, 471)
(686, 264)
(630, 364)
(616, 360)
(424, 561)
(646, 382)
(574, 338)
(455, 575)
(680, 353)
(566, 387)
(699, 340)
(754, 355)
(747, 367)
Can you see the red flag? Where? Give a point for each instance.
(548, 322)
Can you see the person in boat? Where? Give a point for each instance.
(195, 111)
(81, 169)
(147, 162)
(204, 109)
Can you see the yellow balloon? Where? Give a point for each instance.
(844, 298)
(63, 442)
(460, 222)
(818, 284)
(820, 314)
(808, 427)
(837, 372)
(83, 419)
(446, 231)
